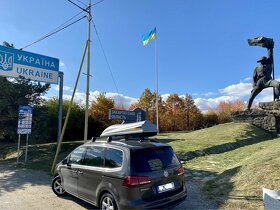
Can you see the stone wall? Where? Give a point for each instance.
(267, 117)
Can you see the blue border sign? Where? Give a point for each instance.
(15, 63)
(24, 119)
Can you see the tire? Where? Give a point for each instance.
(108, 202)
(57, 186)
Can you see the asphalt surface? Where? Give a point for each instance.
(29, 189)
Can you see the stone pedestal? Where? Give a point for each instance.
(267, 117)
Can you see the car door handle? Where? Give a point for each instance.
(80, 172)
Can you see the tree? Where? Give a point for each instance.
(147, 102)
(133, 106)
(194, 118)
(226, 108)
(174, 111)
(15, 92)
(211, 118)
(163, 119)
(99, 109)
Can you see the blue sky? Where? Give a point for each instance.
(202, 45)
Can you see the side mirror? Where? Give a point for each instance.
(65, 162)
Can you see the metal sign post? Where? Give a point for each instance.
(26, 148)
(60, 102)
(24, 126)
(18, 147)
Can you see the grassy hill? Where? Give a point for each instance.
(231, 162)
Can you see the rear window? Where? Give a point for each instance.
(153, 159)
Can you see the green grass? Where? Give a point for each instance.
(7, 149)
(40, 156)
(232, 162)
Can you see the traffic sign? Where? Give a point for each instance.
(15, 63)
(127, 116)
(24, 119)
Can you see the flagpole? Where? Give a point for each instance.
(156, 57)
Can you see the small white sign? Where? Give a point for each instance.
(24, 119)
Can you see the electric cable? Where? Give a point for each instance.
(87, 10)
(78, 6)
(96, 2)
(54, 32)
(81, 2)
(115, 84)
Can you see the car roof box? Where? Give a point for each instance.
(142, 128)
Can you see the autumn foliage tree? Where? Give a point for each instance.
(99, 108)
(147, 102)
(133, 106)
(174, 111)
(210, 118)
(226, 108)
(193, 116)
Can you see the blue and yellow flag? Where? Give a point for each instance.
(149, 36)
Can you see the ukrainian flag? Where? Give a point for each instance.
(149, 36)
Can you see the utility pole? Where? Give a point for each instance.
(60, 104)
(88, 73)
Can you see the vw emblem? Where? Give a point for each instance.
(165, 173)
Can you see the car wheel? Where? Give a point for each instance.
(108, 202)
(57, 186)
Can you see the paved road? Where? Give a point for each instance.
(29, 189)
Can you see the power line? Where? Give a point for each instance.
(78, 6)
(96, 2)
(115, 84)
(81, 2)
(56, 31)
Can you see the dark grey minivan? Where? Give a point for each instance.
(123, 174)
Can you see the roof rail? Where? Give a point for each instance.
(138, 129)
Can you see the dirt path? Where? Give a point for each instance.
(29, 189)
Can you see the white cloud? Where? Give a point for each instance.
(119, 99)
(205, 104)
(204, 101)
(61, 64)
(265, 96)
(65, 88)
(238, 90)
(208, 94)
(165, 96)
(247, 79)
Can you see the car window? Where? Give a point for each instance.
(152, 159)
(113, 158)
(77, 156)
(94, 157)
